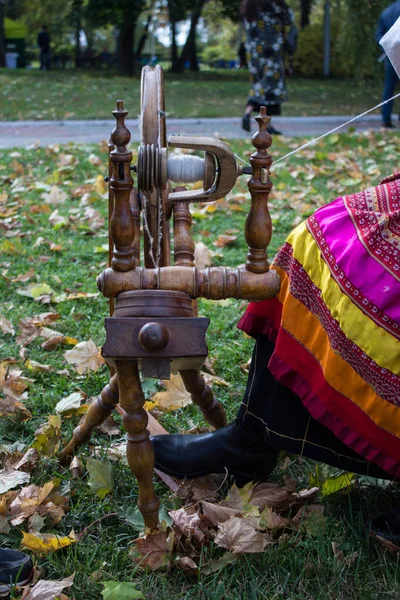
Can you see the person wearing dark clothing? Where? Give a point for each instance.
(387, 19)
(264, 23)
(44, 45)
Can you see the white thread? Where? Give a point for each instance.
(242, 160)
(335, 129)
(185, 168)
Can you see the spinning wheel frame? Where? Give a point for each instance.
(153, 142)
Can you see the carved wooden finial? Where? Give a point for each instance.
(120, 135)
(258, 223)
(122, 227)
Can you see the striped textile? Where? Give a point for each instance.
(336, 320)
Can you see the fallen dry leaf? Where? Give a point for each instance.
(202, 256)
(224, 240)
(47, 438)
(6, 326)
(76, 468)
(43, 543)
(55, 196)
(187, 524)
(241, 536)
(176, 396)
(10, 479)
(216, 513)
(153, 550)
(69, 404)
(33, 365)
(28, 501)
(272, 521)
(49, 590)
(85, 356)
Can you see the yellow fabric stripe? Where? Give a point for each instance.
(375, 341)
(306, 328)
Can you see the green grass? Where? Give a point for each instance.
(74, 94)
(299, 568)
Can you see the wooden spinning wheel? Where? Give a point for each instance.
(153, 328)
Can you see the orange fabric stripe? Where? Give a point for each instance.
(306, 328)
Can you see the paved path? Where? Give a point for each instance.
(24, 133)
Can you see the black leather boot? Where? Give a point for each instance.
(231, 449)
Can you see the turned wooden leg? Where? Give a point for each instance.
(140, 452)
(203, 396)
(97, 413)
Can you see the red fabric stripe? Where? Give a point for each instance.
(296, 368)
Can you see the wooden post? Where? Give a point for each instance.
(258, 228)
(140, 452)
(122, 226)
(183, 241)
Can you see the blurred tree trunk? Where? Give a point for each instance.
(305, 12)
(189, 51)
(143, 39)
(77, 17)
(2, 36)
(174, 48)
(125, 48)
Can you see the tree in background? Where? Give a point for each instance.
(124, 15)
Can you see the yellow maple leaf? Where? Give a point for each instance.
(174, 397)
(44, 543)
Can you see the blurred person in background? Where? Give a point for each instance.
(264, 23)
(387, 19)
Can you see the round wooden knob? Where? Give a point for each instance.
(153, 336)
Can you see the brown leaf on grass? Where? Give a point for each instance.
(48, 590)
(271, 521)
(12, 478)
(47, 438)
(76, 468)
(270, 494)
(191, 491)
(22, 277)
(12, 382)
(6, 326)
(28, 501)
(215, 513)
(33, 365)
(153, 550)
(241, 536)
(224, 240)
(187, 564)
(85, 356)
(176, 396)
(187, 524)
(55, 196)
(10, 407)
(109, 427)
(43, 543)
(22, 462)
(237, 498)
(52, 343)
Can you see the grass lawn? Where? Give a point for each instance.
(74, 94)
(67, 255)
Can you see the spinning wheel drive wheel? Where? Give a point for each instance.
(153, 142)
